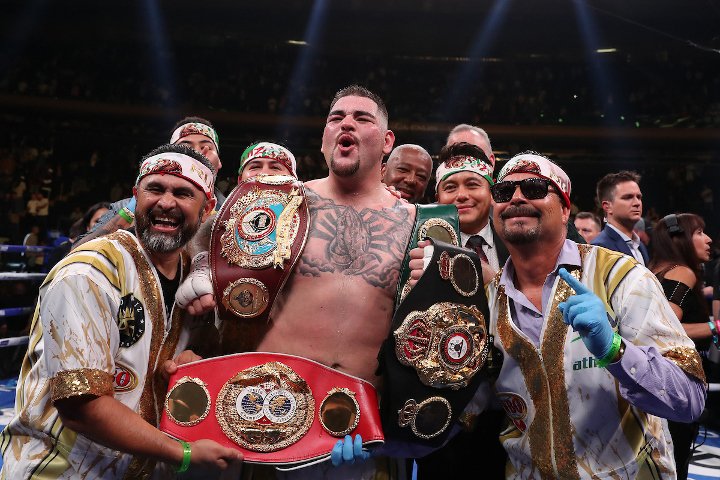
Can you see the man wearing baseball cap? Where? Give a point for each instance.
(594, 359)
(89, 399)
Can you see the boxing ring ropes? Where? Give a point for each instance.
(16, 277)
(38, 277)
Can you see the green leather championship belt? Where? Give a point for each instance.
(439, 222)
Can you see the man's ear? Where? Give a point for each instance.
(389, 142)
(606, 206)
(209, 207)
(565, 214)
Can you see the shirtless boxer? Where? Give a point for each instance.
(337, 305)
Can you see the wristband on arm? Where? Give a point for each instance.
(127, 215)
(615, 348)
(185, 464)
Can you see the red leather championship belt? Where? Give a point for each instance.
(275, 408)
(256, 240)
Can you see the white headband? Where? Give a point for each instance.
(179, 165)
(195, 129)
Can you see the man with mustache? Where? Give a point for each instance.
(89, 396)
(408, 169)
(594, 358)
(621, 199)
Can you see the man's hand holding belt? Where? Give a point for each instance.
(195, 294)
(348, 451)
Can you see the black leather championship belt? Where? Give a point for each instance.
(435, 355)
(439, 222)
(256, 240)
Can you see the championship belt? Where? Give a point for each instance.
(274, 408)
(437, 352)
(256, 239)
(439, 222)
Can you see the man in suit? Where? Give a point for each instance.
(621, 199)
(463, 178)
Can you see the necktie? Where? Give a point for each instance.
(635, 252)
(475, 243)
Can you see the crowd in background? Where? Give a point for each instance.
(53, 168)
(543, 90)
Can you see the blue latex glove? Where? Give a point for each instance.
(131, 204)
(586, 314)
(347, 451)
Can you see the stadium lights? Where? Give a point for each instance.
(606, 50)
(297, 42)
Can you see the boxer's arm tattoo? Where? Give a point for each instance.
(367, 243)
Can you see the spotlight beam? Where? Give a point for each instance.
(302, 71)
(160, 65)
(471, 70)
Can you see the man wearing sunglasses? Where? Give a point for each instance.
(594, 359)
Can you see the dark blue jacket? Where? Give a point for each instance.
(611, 239)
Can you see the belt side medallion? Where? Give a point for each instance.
(426, 419)
(438, 229)
(188, 401)
(339, 412)
(265, 408)
(446, 344)
(246, 297)
(461, 272)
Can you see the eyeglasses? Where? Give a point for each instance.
(531, 188)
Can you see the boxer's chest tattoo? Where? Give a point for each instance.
(367, 243)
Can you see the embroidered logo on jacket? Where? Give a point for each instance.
(125, 379)
(515, 407)
(131, 320)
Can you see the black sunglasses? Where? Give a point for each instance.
(531, 188)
